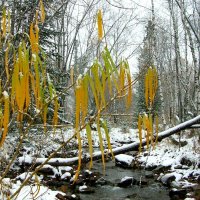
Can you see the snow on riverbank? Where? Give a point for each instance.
(182, 162)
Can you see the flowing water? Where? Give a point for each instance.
(153, 191)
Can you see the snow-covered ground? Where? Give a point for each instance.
(165, 154)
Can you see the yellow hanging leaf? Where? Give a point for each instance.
(121, 78)
(77, 124)
(146, 128)
(104, 125)
(79, 155)
(3, 23)
(34, 39)
(55, 115)
(94, 92)
(100, 24)
(42, 11)
(77, 115)
(6, 61)
(151, 85)
(27, 93)
(85, 96)
(151, 128)
(5, 117)
(97, 81)
(101, 143)
(129, 96)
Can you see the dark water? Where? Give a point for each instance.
(113, 174)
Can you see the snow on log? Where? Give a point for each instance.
(118, 150)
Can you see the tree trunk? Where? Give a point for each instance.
(118, 150)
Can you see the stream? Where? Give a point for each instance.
(113, 174)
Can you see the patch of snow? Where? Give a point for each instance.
(24, 176)
(66, 175)
(28, 192)
(26, 158)
(126, 178)
(88, 171)
(82, 188)
(73, 196)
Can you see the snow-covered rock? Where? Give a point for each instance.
(124, 160)
(86, 189)
(66, 175)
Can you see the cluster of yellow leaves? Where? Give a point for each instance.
(20, 94)
(145, 123)
(151, 86)
(96, 80)
(27, 73)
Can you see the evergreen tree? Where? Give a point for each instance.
(146, 60)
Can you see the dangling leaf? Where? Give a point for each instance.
(111, 62)
(78, 103)
(146, 128)
(100, 24)
(42, 11)
(151, 84)
(89, 137)
(77, 123)
(5, 117)
(107, 72)
(151, 128)
(121, 78)
(85, 96)
(55, 115)
(104, 125)
(101, 143)
(34, 39)
(129, 96)
(97, 81)
(3, 23)
(27, 93)
(6, 61)
(94, 92)
(79, 155)
(51, 87)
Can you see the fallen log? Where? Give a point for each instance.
(27, 160)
